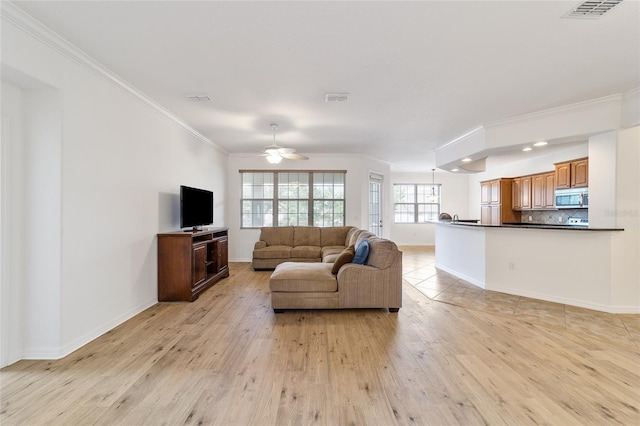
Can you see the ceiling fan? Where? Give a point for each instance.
(275, 153)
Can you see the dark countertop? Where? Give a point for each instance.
(529, 226)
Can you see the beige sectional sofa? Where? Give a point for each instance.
(303, 258)
(303, 244)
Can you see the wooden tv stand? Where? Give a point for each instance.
(191, 262)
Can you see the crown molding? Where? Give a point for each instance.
(460, 138)
(615, 98)
(12, 14)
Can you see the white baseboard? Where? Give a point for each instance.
(61, 352)
(613, 309)
(471, 280)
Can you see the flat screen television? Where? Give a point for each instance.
(196, 207)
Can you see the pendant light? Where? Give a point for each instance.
(433, 182)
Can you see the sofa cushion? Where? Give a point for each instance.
(273, 252)
(306, 236)
(331, 253)
(326, 251)
(303, 277)
(306, 252)
(362, 251)
(277, 235)
(334, 235)
(343, 258)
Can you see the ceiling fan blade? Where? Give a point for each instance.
(294, 156)
(284, 151)
(272, 148)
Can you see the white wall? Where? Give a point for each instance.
(570, 267)
(461, 250)
(121, 162)
(42, 232)
(602, 179)
(241, 241)
(454, 200)
(11, 316)
(626, 245)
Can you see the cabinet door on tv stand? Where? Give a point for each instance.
(199, 264)
(222, 254)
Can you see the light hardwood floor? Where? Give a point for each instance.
(227, 359)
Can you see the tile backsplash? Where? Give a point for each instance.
(552, 216)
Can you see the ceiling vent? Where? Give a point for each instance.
(336, 97)
(198, 97)
(591, 9)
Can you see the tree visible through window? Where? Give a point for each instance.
(293, 198)
(416, 203)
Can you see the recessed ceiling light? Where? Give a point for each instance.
(527, 149)
(466, 160)
(455, 170)
(541, 143)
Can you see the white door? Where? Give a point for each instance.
(375, 204)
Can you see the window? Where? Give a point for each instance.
(416, 203)
(297, 198)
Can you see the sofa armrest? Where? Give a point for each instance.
(364, 286)
(259, 245)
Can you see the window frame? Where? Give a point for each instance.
(276, 200)
(415, 204)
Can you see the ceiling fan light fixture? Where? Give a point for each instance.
(275, 154)
(274, 158)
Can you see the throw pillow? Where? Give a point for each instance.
(362, 251)
(346, 256)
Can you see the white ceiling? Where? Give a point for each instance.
(419, 73)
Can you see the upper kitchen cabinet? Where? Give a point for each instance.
(580, 173)
(542, 191)
(516, 188)
(495, 198)
(534, 192)
(572, 174)
(521, 193)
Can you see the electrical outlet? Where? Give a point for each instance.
(530, 218)
(559, 219)
(512, 266)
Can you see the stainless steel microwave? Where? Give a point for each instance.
(574, 198)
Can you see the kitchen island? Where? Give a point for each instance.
(565, 264)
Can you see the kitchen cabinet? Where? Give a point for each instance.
(549, 190)
(537, 191)
(521, 189)
(572, 174)
(516, 199)
(525, 192)
(580, 173)
(496, 202)
(542, 191)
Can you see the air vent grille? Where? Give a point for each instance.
(336, 97)
(591, 9)
(198, 97)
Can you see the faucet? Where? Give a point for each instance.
(455, 218)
